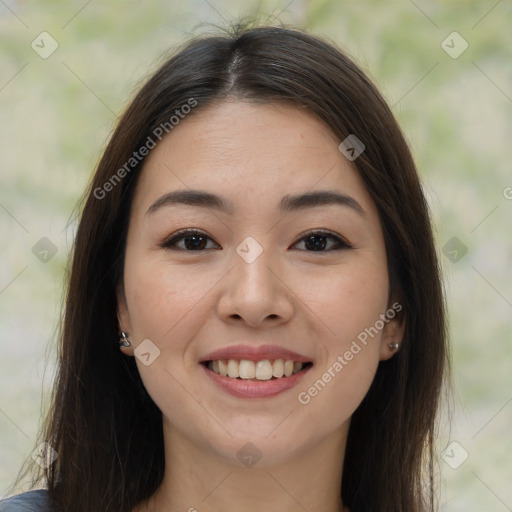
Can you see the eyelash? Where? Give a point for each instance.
(170, 243)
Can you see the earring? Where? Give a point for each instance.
(123, 340)
(394, 346)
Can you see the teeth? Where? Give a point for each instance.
(247, 369)
(278, 368)
(233, 369)
(264, 370)
(260, 370)
(223, 368)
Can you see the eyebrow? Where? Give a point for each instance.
(288, 203)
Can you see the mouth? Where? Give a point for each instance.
(255, 372)
(255, 379)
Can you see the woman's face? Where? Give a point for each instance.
(286, 262)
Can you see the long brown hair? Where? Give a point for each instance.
(104, 426)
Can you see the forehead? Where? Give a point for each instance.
(251, 153)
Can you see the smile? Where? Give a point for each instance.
(239, 382)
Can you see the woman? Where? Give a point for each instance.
(254, 317)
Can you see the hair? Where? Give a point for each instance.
(106, 429)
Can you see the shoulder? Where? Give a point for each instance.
(32, 501)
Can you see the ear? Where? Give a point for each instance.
(393, 331)
(123, 319)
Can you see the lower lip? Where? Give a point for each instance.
(243, 388)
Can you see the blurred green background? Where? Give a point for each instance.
(454, 104)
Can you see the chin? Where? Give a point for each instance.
(264, 443)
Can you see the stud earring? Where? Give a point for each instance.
(394, 346)
(123, 340)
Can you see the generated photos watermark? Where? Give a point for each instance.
(44, 455)
(351, 147)
(342, 360)
(137, 156)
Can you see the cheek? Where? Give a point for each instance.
(348, 304)
(347, 301)
(159, 297)
(166, 306)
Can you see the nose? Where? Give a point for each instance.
(255, 293)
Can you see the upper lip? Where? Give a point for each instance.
(255, 353)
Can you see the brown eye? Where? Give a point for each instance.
(188, 240)
(317, 241)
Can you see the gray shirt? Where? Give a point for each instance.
(32, 501)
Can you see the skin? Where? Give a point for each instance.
(189, 303)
